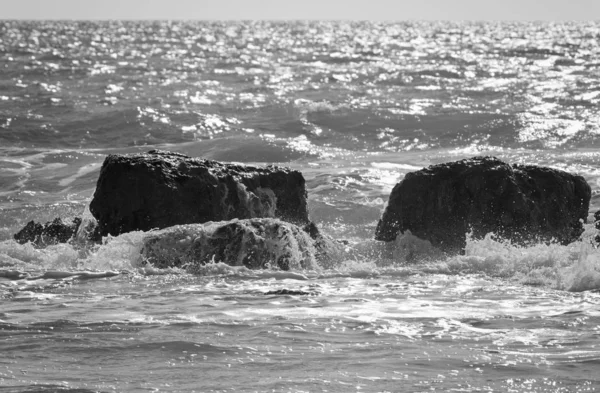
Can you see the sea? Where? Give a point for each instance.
(354, 106)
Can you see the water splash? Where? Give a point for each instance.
(574, 267)
(256, 243)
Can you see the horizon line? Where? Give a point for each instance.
(284, 20)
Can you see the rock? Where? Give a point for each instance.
(50, 233)
(292, 292)
(480, 195)
(254, 243)
(80, 231)
(597, 225)
(161, 189)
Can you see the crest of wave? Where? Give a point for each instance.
(25, 256)
(206, 249)
(257, 243)
(573, 267)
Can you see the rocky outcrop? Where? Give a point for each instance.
(79, 231)
(597, 225)
(161, 189)
(253, 243)
(480, 195)
(54, 232)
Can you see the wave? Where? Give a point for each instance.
(574, 267)
(45, 388)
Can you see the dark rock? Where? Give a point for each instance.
(597, 225)
(481, 195)
(294, 292)
(160, 189)
(50, 233)
(254, 243)
(13, 274)
(78, 232)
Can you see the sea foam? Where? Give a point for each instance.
(573, 267)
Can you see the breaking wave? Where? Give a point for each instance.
(574, 267)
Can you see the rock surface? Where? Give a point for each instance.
(597, 225)
(161, 189)
(254, 243)
(291, 292)
(54, 232)
(480, 195)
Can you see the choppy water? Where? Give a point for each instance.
(354, 106)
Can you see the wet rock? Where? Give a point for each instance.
(480, 195)
(292, 292)
(254, 243)
(78, 232)
(597, 225)
(161, 189)
(13, 274)
(53, 232)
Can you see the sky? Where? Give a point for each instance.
(303, 9)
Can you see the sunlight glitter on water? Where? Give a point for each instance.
(354, 106)
(409, 329)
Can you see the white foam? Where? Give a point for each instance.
(573, 267)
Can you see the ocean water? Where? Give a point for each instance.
(354, 106)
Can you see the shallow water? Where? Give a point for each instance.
(354, 106)
(349, 332)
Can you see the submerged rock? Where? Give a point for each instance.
(254, 243)
(480, 195)
(160, 189)
(54, 232)
(292, 292)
